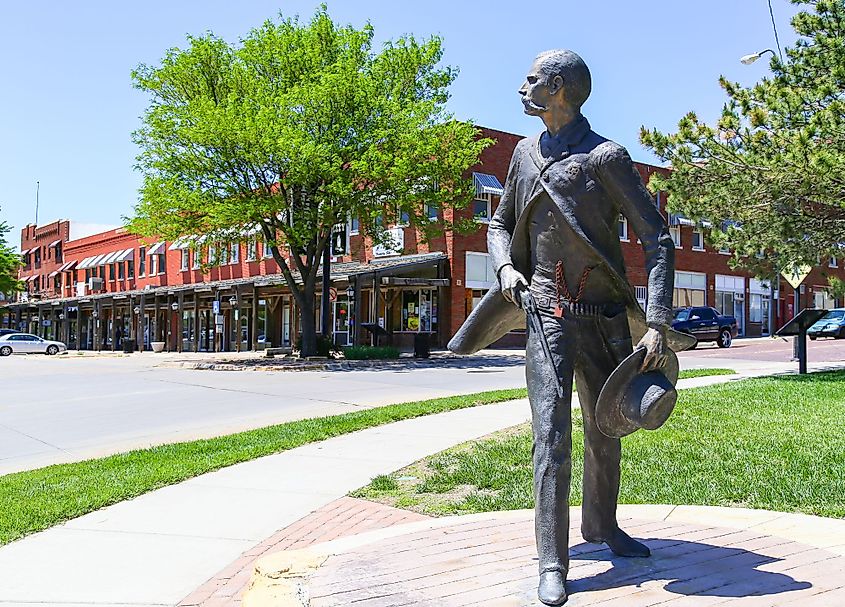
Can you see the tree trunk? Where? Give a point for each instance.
(308, 324)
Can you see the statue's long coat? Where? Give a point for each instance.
(591, 180)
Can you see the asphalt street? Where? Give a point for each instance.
(71, 407)
(68, 408)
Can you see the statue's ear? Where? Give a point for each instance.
(556, 84)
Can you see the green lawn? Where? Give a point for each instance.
(38, 499)
(773, 443)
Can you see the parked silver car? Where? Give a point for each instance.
(26, 343)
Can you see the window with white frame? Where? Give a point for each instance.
(482, 207)
(223, 252)
(197, 254)
(697, 240)
(185, 259)
(142, 261)
(690, 289)
(235, 253)
(675, 233)
(431, 212)
(251, 246)
(822, 300)
(268, 250)
(479, 271)
(403, 217)
(162, 262)
(641, 294)
(832, 263)
(212, 255)
(354, 224)
(623, 228)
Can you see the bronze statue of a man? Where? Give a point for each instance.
(554, 242)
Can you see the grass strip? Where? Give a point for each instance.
(775, 443)
(690, 373)
(37, 499)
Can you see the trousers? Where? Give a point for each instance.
(590, 348)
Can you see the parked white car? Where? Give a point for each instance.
(26, 343)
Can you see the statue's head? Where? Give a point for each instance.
(557, 78)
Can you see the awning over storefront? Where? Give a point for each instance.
(679, 219)
(67, 267)
(399, 281)
(487, 184)
(84, 263)
(52, 274)
(157, 248)
(181, 243)
(54, 243)
(124, 255)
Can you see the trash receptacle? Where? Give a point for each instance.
(128, 346)
(422, 348)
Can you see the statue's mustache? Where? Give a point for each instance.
(530, 104)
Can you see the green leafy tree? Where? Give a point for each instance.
(10, 263)
(771, 171)
(836, 287)
(293, 130)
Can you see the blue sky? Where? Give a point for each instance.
(67, 107)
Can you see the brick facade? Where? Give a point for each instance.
(50, 254)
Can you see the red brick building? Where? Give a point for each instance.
(99, 290)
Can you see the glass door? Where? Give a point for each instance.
(342, 335)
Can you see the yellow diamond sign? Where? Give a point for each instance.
(796, 275)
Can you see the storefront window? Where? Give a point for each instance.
(755, 308)
(419, 311)
(261, 329)
(187, 329)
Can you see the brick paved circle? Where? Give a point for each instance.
(491, 561)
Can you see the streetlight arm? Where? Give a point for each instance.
(749, 59)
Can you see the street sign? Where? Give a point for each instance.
(796, 275)
(798, 327)
(332, 294)
(215, 306)
(338, 239)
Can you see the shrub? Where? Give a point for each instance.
(370, 352)
(325, 346)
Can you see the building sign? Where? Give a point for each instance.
(394, 243)
(338, 241)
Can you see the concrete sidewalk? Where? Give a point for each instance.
(158, 548)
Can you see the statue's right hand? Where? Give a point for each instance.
(512, 282)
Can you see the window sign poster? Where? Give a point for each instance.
(410, 307)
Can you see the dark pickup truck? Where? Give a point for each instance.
(705, 324)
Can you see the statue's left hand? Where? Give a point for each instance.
(654, 342)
